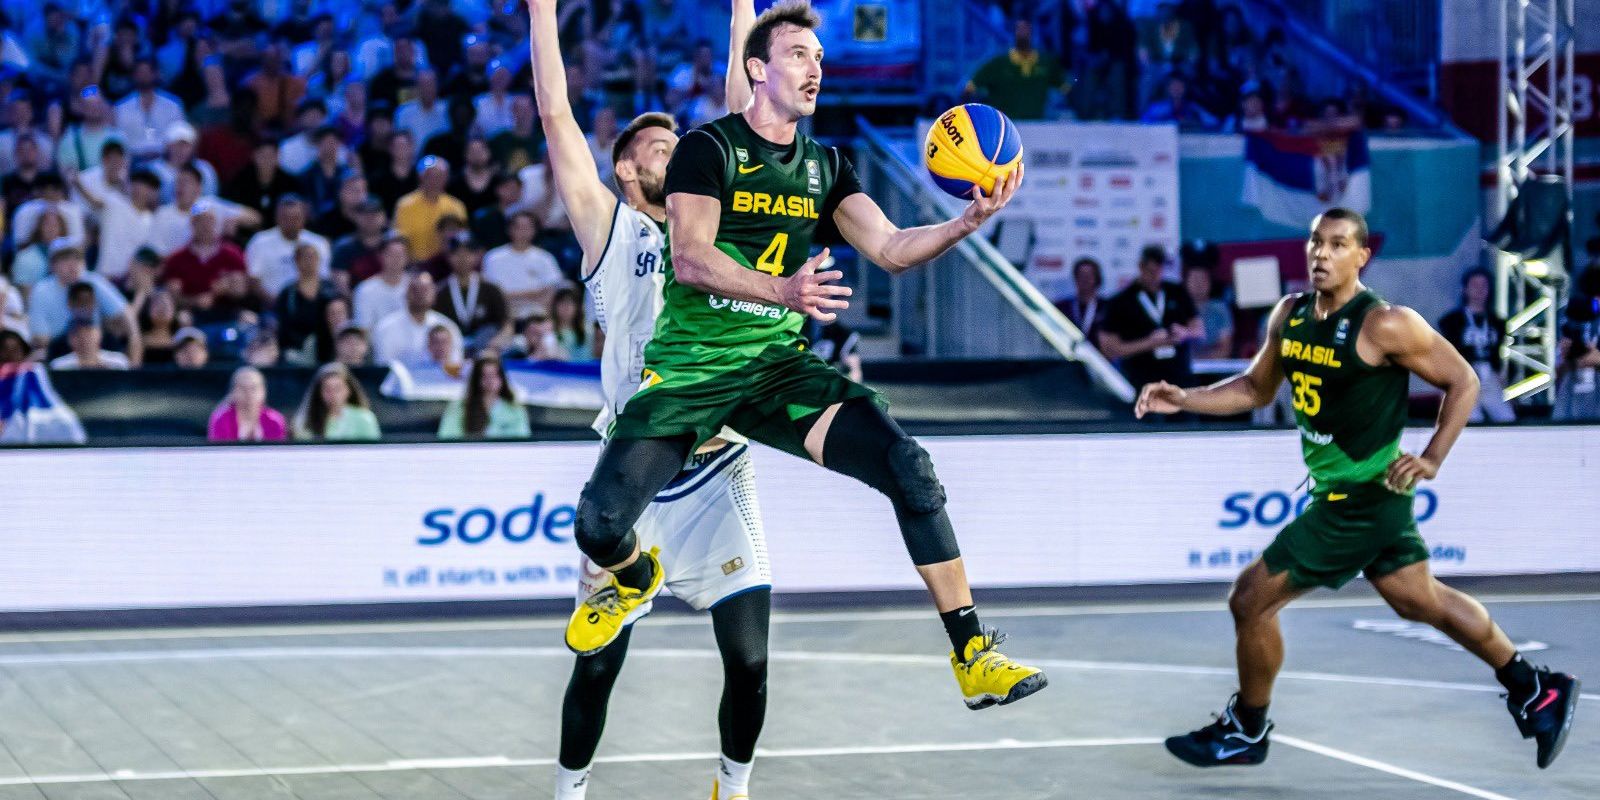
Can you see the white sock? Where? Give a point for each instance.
(571, 784)
(733, 777)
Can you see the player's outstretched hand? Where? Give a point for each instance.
(982, 208)
(1159, 398)
(814, 293)
(1405, 471)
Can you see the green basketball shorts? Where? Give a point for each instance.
(1347, 530)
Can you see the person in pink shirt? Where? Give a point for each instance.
(245, 416)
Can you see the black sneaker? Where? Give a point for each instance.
(1546, 715)
(1222, 743)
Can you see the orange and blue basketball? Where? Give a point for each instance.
(971, 145)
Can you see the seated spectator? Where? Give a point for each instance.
(403, 335)
(261, 345)
(21, 181)
(351, 347)
(145, 116)
(258, 186)
(48, 311)
(442, 352)
(494, 106)
(474, 185)
(245, 416)
(518, 146)
(335, 409)
(1019, 82)
(1476, 333)
(398, 178)
(301, 308)
(356, 257)
(526, 274)
(56, 45)
(13, 347)
(448, 230)
(85, 339)
(385, 293)
(417, 215)
(451, 143)
(322, 180)
(127, 221)
(193, 270)
(1083, 307)
(1167, 43)
(79, 148)
(489, 410)
(396, 83)
(190, 349)
(19, 113)
(230, 304)
(1148, 326)
(270, 254)
(158, 327)
(278, 92)
(572, 332)
(143, 274)
(1175, 106)
(298, 152)
(1215, 314)
(51, 196)
(425, 115)
(350, 117)
(32, 261)
(376, 130)
(328, 83)
(490, 224)
(173, 226)
(1252, 116)
(476, 306)
(537, 342)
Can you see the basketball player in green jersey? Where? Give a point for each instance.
(745, 196)
(1349, 357)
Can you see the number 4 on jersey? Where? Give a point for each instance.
(771, 261)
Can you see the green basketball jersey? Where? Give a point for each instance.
(1350, 413)
(772, 200)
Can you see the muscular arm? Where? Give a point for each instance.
(736, 84)
(1247, 390)
(589, 203)
(1406, 339)
(862, 223)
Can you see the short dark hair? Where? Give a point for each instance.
(1153, 252)
(758, 44)
(80, 289)
(1099, 273)
(652, 119)
(1353, 217)
(191, 169)
(145, 177)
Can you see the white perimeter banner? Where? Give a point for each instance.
(238, 526)
(1097, 189)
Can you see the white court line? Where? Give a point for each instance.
(497, 762)
(1381, 766)
(803, 656)
(997, 610)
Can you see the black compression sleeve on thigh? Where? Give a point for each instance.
(583, 710)
(740, 623)
(865, 444)
(626, 478)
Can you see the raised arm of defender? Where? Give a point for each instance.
(736, 83)
(1253, 388)
(864, 226)
(589, 202)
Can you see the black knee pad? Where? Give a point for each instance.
(599, 532)
(913, 473)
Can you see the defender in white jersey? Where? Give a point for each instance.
(704, 528)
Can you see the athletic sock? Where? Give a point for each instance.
(961, 625)
(571, 784)
(638, 574)
(1251, 719)
(1517, 676)
(733, 777)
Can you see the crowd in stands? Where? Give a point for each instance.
(1197, 63)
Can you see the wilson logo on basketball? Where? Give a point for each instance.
(950, 130)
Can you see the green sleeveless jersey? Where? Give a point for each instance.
(773, 198)
(1350, 413)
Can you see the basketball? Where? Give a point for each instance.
(971, 145)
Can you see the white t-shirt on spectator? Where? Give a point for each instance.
(421, 122)
(12, 315)
(269, 258)
(8, 150)
(123, 230)
(109, 360)
(169, 178)
(297, 152)
(27, 219)
(173, 228)
(528, 271)
(373, 300)
(399, 337)
(494, 114)
(145, 131)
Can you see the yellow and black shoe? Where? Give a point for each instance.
(597, 621)
(989, 678)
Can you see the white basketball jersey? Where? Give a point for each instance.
(625, 284)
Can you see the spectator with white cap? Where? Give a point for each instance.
(270, 253)
(181, 138)
(145, 116)
(192, 271)
(191, 350)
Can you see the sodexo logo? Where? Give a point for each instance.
(517, 524)
(1272, 509)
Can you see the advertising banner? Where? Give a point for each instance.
(203, 527)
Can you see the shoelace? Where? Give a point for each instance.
(991, 639)
(606, 601)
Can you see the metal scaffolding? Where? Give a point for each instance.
(1536, 138)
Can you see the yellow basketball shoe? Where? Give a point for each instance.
(716, 793)
(597, 621)
(989, 678)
